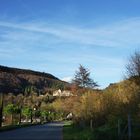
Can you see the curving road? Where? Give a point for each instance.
(50, 131)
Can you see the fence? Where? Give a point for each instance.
(130, 131)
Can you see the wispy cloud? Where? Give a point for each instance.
(123, 33)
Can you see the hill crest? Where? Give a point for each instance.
(15, 80)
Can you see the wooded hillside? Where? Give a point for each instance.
(13, 80)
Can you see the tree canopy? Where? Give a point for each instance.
(133, 66)
(82, 78)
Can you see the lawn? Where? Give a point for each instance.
(73, 132)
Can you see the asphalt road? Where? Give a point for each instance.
(50, 131)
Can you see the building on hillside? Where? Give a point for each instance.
(60, 93)
(57, 93)
(69, 116)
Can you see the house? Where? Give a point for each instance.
(60, 93)
(57, 93)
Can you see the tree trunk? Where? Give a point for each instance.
(12, 120)
(1, 110)
(20, 115)
(31, 117)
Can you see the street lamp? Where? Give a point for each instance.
(34, 113)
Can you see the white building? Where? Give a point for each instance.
(59, 93)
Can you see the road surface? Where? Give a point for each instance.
(50, 131)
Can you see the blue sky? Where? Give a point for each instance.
(55, 36)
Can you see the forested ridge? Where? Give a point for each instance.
(14, 80)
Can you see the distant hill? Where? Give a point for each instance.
(14, 80)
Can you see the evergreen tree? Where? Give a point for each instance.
(82, 78)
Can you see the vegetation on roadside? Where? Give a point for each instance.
(75, 132)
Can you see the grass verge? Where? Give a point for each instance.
(11, 127)
(73, 132)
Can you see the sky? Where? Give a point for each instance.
(55, 36)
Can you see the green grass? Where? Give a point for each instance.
(11, 127)
(106, 132)
(72, 132)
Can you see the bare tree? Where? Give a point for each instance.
(82, 78)
(133, 66)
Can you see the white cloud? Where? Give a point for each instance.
(67, 79)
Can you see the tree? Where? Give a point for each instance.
(82, 78)
(27, 112)
(133, 66)
(11, 109)
(19, 101)
(44, 115)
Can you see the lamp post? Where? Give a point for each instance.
(35, 113)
